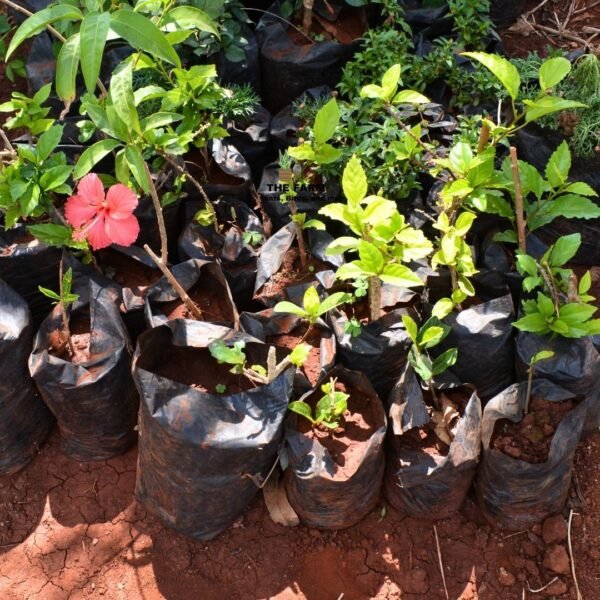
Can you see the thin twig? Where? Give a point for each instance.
(506, 537)
(484, 138)
(563, 34)
(59, 36)
(542, 588)
(162, 229)
(396, 116)
(189, 303)
(579, 596)
(63, 308)
(6, 141)
(441, 562)
(266, 12)
(518, 200)
(587, 7)
(534, 10)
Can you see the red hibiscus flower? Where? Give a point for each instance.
(101, 220)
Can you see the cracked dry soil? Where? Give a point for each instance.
(73, 530)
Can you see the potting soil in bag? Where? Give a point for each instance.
(26, 263)
(287, 68)
(575, 367)
(197, 449)
(428, 484)
(92, 395)
(24, 419)
(333, 479)
(514, 493)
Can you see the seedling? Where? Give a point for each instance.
(236, 357)
(353, 327)
(432, 333)
(312, 308)
(382, 238)
(329, 408)
(563, 305)
(542, 355)
(64, 298)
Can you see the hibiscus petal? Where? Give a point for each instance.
(122, 231)
(121, 201)
(97, 235)
(78, 211)
(90, 187)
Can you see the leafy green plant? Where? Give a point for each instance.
(16, 66)
(536, 358)
(312, 307)
(562, 304)
(381, 238)
(329, 408)
(472, 22)
(235, 356)
(65, 298)
(431, 333)
(29, 112)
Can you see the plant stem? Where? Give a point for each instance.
(518, 200)
(484, 138)
(161, 262)
(528, 393)
(396, 116)
(51, 29)
(65, 316)
(308, 15)
(374, 298)
(6, 141)
(454, 282)
(189, 303)
(299, 236)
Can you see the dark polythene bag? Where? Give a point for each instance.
(195, 448)
(322, 494)
(575, 367)
(95, 403)
(380, 351)
(24, 419)
(415, 482)
(288, 69)
(516, 494)
(24, 265)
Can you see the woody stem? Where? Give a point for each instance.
(65, 316)
(162, 230)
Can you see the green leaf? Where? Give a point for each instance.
(326, 122)
(502, 69)
(38, 22)
(92, 155)
(431, 336)
(159, 119)
(526, 264)
(51, 234)
(379, 210)
(442, 308)
(541, 355)
(509, 236)
(299, 355)
(49, 293)
(371, 259)
(411, 327)
(571, 206)
(350, 271)
(536, 109)
(326, 154)
(136, 164)
(143, 34)
(585, 283)
(545, 305)
(463, 223)
(311, 301)
(291, 308)
(389, 82)
(410, 97)
(190, 17)
(341, 245)
(535, 323)
(559, 165)
(564, 249)
(121, 94)
(67, 67)
(581, 189)
(48, 141)
(461, 157)
(553, 71)
(560, 327)
(314, 224)
(52, 178)
(224, 354)
(333, 301)
(372, 91)
(354, 181)
(400, 275)
(530, 283)
(444, 361)
(301, 408)
(93, 32)
(302, 152)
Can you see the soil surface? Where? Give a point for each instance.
(74, 530)
(126, 271)
(79, 325)
(530, 438)
(519, 39)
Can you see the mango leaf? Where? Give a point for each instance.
(38, 22)
(93, 32)
(143, 34)
(536, 109)
(326, 122)
(92, 155)
(354, 181)
(559, 165)
(502, 69)
(67, 67)
(553, 71)
(190, 17)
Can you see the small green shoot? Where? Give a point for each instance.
(329, 408)
(542, 355)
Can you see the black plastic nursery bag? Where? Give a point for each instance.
(415, 482)
(95, 403)
(196, 449)
(24, 419)
(516, 494)
(322, 492)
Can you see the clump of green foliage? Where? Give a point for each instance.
(329, 408)
(472, 21)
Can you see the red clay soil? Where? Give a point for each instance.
(73, 530)
(518, 40)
